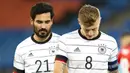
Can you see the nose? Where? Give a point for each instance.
(43, 25)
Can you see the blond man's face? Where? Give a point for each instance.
(91, 31)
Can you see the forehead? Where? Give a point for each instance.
(43, 16)
(90, 23)
(94, 25)
(91, 27)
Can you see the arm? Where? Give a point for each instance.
(18, 63)
(60, 67)
(124, 65)
(15, 70)
(66, 69)
(115, 71)
(113, 61)
(113, 67)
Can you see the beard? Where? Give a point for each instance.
(42, 33)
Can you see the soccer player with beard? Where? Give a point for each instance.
(36, 53)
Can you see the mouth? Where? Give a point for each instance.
(42, 32)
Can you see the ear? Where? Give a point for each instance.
(31, 21)
(100, 18)
(99, 21)
(79, 21)
(52, 20)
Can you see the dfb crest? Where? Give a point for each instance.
(102, 48)
(53, 50)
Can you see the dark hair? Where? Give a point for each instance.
(40, 8)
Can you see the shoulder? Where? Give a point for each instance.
(69, 37)
(69, 34)
(55, 34)
(22, 45)
(25, 42)
(107, 37)
(109, 40)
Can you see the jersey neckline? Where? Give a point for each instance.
(41, 42)
(99, 34)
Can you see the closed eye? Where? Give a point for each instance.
(48, 21)
(39, 22)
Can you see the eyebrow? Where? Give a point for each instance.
(39, 21)
(42, 21)
(47, 20)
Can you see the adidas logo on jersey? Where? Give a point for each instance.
(77, 49)
(30, 55)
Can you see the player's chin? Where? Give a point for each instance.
(89, 38)
(43, 35)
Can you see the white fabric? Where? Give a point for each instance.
(31, 56)
(77, 49)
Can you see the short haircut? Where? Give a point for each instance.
(125, 34)
(88, 14)
(40, 8)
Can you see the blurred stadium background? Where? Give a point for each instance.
(15, 24)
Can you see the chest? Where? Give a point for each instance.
(40, 57)
(82, 52)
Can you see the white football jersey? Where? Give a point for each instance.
(34, 57)
(88, 56)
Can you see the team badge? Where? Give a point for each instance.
(102, 49)
(52, 50)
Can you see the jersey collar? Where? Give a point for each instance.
(41, 42)
(89, 39)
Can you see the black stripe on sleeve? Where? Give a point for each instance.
(112, 65)
(15, 70)
(61, 58)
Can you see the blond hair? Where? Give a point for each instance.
(88, 14)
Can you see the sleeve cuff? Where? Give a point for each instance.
(61, 58)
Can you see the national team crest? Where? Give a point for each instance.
(102, 49)
(52, 50)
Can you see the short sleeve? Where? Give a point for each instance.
(18, 61)
(62, 53)
(113, 62)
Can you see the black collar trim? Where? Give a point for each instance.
(89, 39)
(40, 42)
